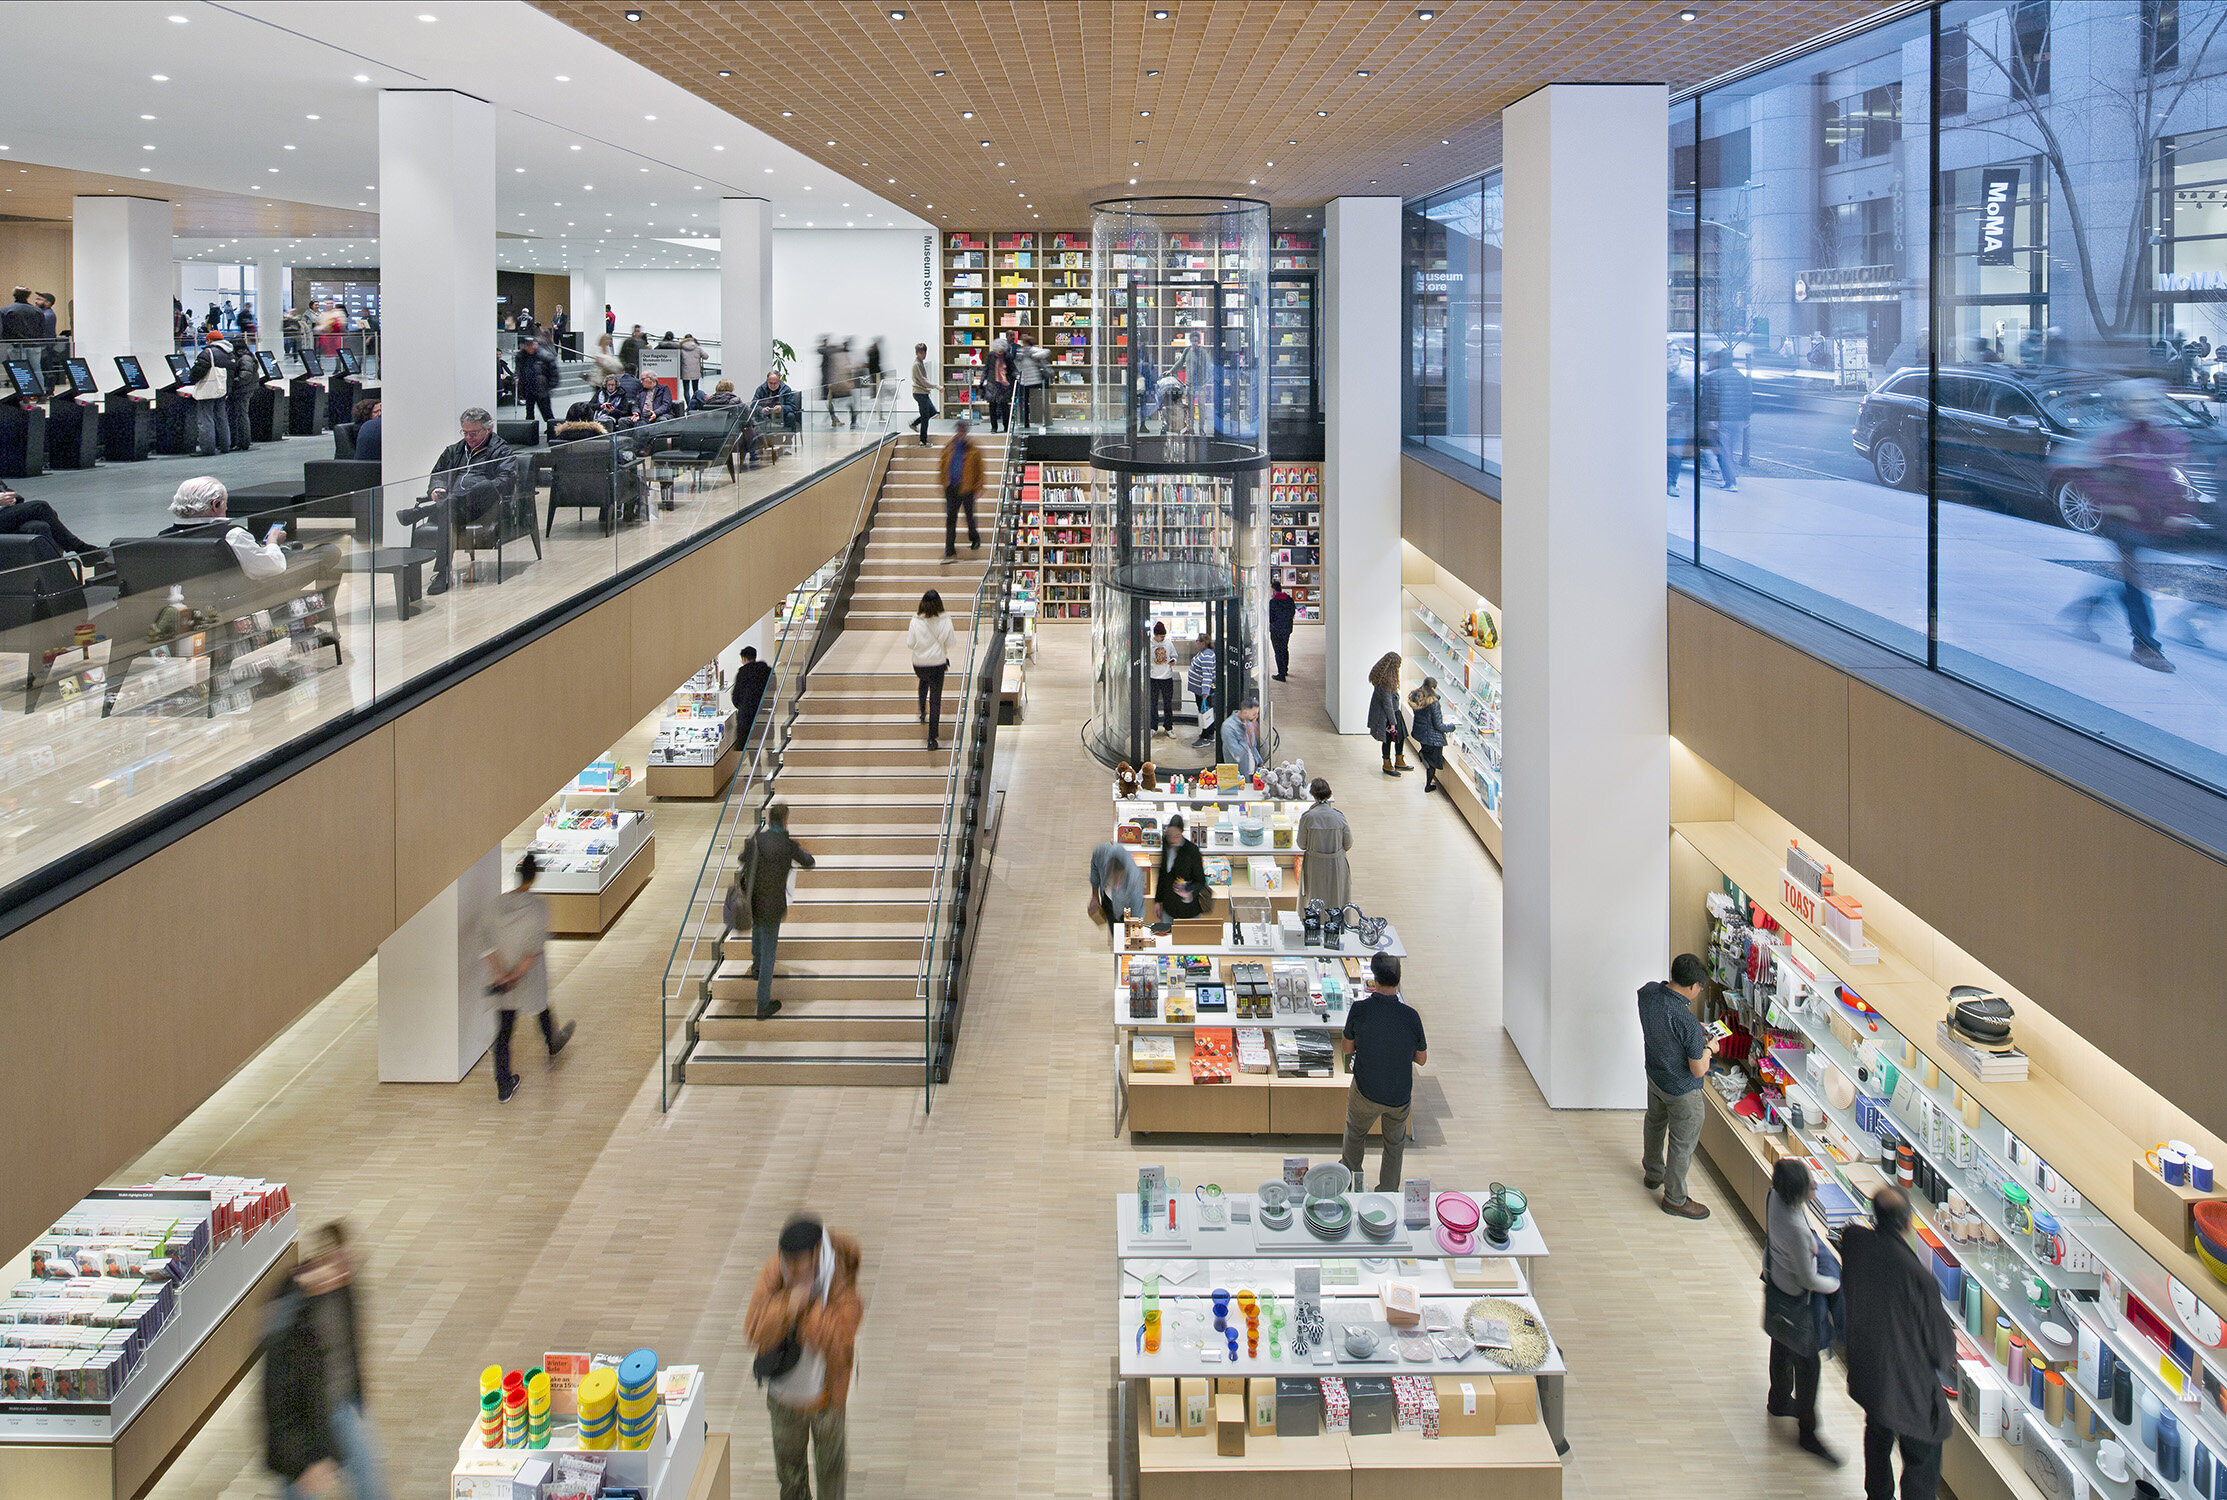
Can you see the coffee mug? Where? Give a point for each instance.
(2157, 1151)
(2111, 1459)
(2200, 1173)
(2172, 1165)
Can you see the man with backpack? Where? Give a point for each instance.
(209, 382)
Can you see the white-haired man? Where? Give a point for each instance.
(199, 507)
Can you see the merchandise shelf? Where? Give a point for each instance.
(2036, 1118)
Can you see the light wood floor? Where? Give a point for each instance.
(578, 1216)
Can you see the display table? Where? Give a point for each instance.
(596, 857)
(697, 744)
(1519, 1460)
(1248, 1103)
(1239, 1239)
(683, 1462)
(114, 1449)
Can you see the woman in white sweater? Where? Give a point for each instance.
(929, 637)
(1790, 1258)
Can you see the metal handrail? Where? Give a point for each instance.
(991, 589)
(792, 664)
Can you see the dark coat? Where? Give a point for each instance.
(457, 463)
(297, 1393)
(537, 372)
(20, 320)
(1183, 863)
(1901, 1346)
(370, 440)
(750, 690)
(1385, 718)
(1430, 724)
(769, 873)
(1282, 610)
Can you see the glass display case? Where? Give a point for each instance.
(1178, 530)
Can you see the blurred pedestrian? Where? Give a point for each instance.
(803, 1321)
(1901, 1350)
(997, 381)
(875, 375)
(1727, 399)
(1387, 725)
(961, 469)
(2131, 469)
(923, 391)
(314, 1430)
(514, 936)
(1678, 433)
(1116, 885)
(1030, 377)
(762, 882)
(1797, 1274)
(1282, 610)
(1200, 680)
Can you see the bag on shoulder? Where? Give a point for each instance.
(772, 1364)
(737, 908)
(1788, 1317)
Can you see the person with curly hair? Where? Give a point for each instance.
(1387, 724)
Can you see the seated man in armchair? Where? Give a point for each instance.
(471, 479)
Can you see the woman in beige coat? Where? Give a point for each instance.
(1324, 838)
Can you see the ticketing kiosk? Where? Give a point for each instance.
(267, 424)
(306, 396)
(128, 414)
(174, 425)
(73, 418)
(23, 423)
(346, 387)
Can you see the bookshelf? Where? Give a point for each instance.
(1014, 281)
(1295, 534)
(1052, 560)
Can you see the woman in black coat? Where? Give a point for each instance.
(1430, 732)
(313, 1380)
(1182, 888)
(1387, 725)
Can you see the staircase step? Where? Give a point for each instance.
(733, 1024)
(864, 782)
(804, 1064)
(842, 980)
(797, 945)
(848, 727)
(880, 839)
(879, 753)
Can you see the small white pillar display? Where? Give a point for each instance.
(435, 1019)
(1361, 451)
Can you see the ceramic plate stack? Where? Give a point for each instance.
(1379, 1217)
(1275, 1205)
(1329, 1218)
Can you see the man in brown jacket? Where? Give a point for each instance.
(960, 464)
(809, 1286)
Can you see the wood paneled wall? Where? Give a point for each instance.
(37, 256)
(1451, 524)
(125, 1008)
(2102, 921)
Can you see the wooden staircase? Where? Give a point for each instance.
(867, 799)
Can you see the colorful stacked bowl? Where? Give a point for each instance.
(637, 1405)
(537, 1408)
(491, 1418)
(514, 1410)
(599, 1407)
(2211, 1236)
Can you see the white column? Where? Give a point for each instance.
(436, 271)
(121, 281)
(434, 1019)
(270, 304)
(745, 290)
(586, 304)
(1361, 471)
(1585, 904)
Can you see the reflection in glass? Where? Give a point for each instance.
(1452, 266)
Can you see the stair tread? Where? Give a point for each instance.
(821, 1008)
(774, 1050)
(785, 967)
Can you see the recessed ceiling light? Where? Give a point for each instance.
(1291, 143)
(146, 148)
(1152, 72)
(1445, 143)
(146, 117)
(1403, 163)
(726, 73)
(985, 143)
(1132, 182)
(786, 113)
(1424, 15)
(1145, 112)
(1323, 112)
(1252, 180)
(1360, 72)
(1159, 15)
(966, 114)
(634, 15)
(429, 18)
(363, 78)
(896, 15)
(289, 148)
(1689, 15)
(1272, 164)
(649, 117)
(160, 77)
(143, 169)
(178, 20)
(313, 117)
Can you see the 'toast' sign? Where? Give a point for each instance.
(1998, 199)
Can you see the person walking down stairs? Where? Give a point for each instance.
(929, 638)
(961, 467)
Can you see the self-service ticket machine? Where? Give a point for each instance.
(128, 414)
(345, 387)
(306, 397)
(73, 418)
(266, 420)
(23, 422)
(174, 426)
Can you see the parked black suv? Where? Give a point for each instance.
(2001, 428)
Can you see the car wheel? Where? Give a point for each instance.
(2075, 509)
(1895, 462)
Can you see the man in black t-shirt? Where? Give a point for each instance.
(1385, 1037)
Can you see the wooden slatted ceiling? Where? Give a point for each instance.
(1057, 86)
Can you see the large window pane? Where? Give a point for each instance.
(1452, 398)
(1685, 302)
(2100, 129)
(1807, 242)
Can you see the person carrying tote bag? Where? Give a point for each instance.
(1795, 1286)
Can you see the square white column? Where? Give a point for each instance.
(436, 272)
(121, 281)
(270, 304)
(745, 290)
(585, 305)
(1361, 448)
(435, 1020)
(1587, 736)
